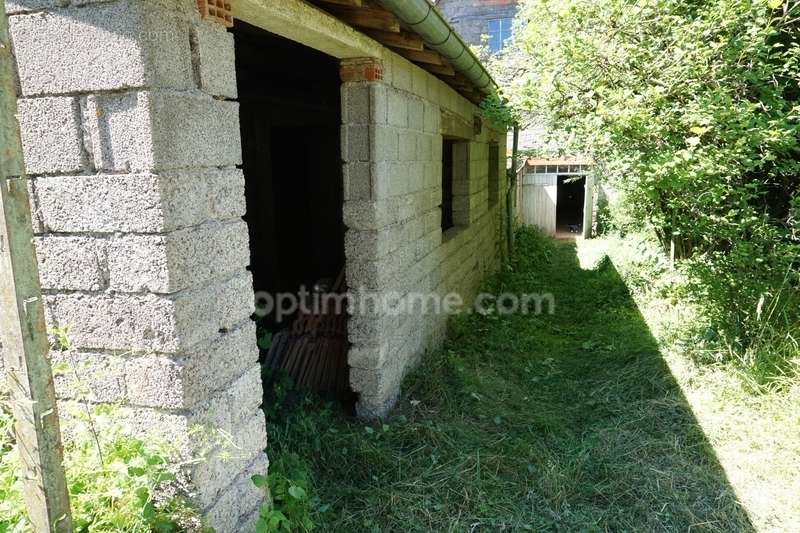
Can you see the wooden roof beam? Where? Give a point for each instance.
(365, 17)
(352, 3)
(422, 56)
(404, 40)
(439, 70)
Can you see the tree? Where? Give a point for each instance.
(691, 107)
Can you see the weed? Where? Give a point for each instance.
(112, 488)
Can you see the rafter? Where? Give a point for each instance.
(422, 56)
(352, 3)
(403, 40)
(365, 17)
(440, 70)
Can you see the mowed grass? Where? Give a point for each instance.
(564, 422)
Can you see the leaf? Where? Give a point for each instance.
(136, 471)
(298, 493)
(261, 526)
(774, 4)
(260, 481)
(265, 341)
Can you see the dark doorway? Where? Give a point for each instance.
(290, 120)
(290, 111)
(569, 206)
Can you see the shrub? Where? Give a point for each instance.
(692, 107)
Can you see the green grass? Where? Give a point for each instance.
(567, 422)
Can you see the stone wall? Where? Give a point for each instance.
(470, 18)
(392, 146)
(131, 140)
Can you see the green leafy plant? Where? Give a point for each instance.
(497, 111)
(123, 486)
(290, 505)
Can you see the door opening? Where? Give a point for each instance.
(290, 110)
(569, 206)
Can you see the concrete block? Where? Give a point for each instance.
(93, 377)
(153, 381)
(98, 203)
(239, 500)
(357, 181)
(214, 59)
(150, 322)
(121, 132)
(219, 194)
(72, 263)
(194, 377)
(248, 523)
(385, 143)
(159, 130)
(408, 147)
(378, 389)
(246, 393)
(355, 143)
(416, 177)
(142, 203)
(14, 7)
(213, 367)
(224, 463)
(373, 244)
(105, 46)
(379, 103)
(368, 356)
(375, 328)
(116, 322)
(389, 179)
(52, 139)
(203, 313)
(177, 260)
(415, 114)
(356, 103)
(367, 214)
(371, 274)
(398, 109)
(425, 147)
(431, 117)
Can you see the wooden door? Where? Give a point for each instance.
(538, 201)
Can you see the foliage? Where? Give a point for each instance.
(290, 505)
(692, 107)
(114, 488)
(564, 422)
(497, 112)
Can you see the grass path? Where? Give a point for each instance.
(564, 422)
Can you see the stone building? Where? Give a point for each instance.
(180, 156)
(474, 19)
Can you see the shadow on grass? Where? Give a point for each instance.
(562, 422)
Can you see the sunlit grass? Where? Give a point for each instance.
(579, 421)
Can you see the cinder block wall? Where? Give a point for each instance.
(131, 139)
(392, 147)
